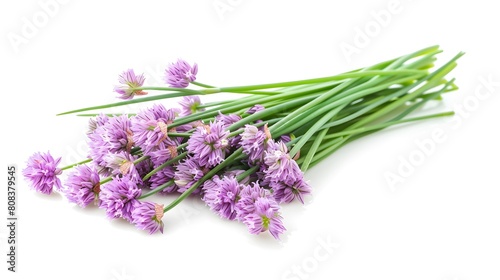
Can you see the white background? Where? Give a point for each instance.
(442, 222)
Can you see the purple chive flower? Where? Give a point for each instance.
(150, 128)
(227, 120)
(189, 105)
(42, 172)
(180, 74)
(82, 185)
(288, 191)
(129, 83)
(186, 127)
(162, 154)
(144, 167)
(113, 136)
(118, 135)
(248, 196)
(147, 216)
(265, 217)
(262, 178)
(209, 144)
(280, 167)
(122, 163)
(119, 197)
(285, 138)
(99, 120)
(161, 177)
(254, 142)
(255, 109)
(188, 173)
(221, 196)
(181, 129)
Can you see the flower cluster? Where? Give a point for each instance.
(128, 148)
(243, 158)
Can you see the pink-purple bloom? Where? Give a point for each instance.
(167, 173)
(280, 166)
(189, 105)
(285, 138)
(148, 216)
(119, 197)
(82, 185)
(162, 154)
(109, 137)
(256, 108)
(286, 192)
(209, 144)
(122, 163)
(254, 141)
(248, 196)
(143, 167)
(283, 174)
(42, 172)
(96, 122)
(129, 82)
(162, 177)
(180, 74)
(128, 148)
(150, 128)
(221, 196)
(188, 173)
(265, 217)
(227, 120)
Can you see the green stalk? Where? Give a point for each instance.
(213, 104)
(313, 149)
(247, 173)
(269, 112)
(185, 90)
(75, 164)
(320, 108)
(201, 84)
(329, 143)
(178, 134)
(383, 125)
(108, 114)
(431, 80)
(313, 130)
(133, 101)
(327, 149)
(364, 85)
(158, 189)
(319, 80)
